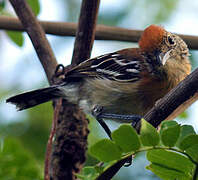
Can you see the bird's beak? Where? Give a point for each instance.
(163, 57)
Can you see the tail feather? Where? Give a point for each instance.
(36, 97)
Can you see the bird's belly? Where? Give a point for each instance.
(122, 106)
(114, 97)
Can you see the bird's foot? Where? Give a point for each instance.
(97, 113)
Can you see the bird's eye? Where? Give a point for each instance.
(170, 40)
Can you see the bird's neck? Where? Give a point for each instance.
(177, 70)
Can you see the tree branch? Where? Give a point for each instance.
(70, 144)
(168, 107)
(180, 97)
(45, 54)
(37, 36)
(50, 140)
(102, 32)
(85, 34)
(110, 172)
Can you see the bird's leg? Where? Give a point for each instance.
(99, 115)
(96, 112)
(122, 117)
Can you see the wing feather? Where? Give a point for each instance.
(115, 66)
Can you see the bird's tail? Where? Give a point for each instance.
(33, 98)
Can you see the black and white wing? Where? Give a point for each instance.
(114, 66)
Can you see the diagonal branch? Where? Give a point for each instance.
(37, 36)
(44, 52)
(102, 32)
(177, 100)
(170, 106)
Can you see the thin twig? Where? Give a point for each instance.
(102, 32)
(37, 36)
(50, 140)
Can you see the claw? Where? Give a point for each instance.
(135, 121)
(60, 69)
(97, 111)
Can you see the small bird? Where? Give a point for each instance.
(125, 82)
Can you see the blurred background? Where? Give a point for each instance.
(23, 135)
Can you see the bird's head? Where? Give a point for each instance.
(166, 46)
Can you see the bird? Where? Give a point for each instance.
(126, 82)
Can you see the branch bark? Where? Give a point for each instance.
(85, 34)
(70, 144)
(102, 32)
(37, 36)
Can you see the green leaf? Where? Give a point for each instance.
(170, 160)
(16, 37)
(170, 135)
(188, 141)
(2, 4)
(88, 173)
(185, 131)
(89, 170)
(166, 124)
(106, 150)
(148, 134)
(192, 151)
(167, 173)
(17, 162)
(34, 4)
(126, 137)
(99, 169)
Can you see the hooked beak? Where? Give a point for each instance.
(163, 57)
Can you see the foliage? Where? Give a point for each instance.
(172, 151)
(17, 162)
(16, 37)
(34, 4)
(23, 144)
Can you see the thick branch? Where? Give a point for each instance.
(37, 36)
(70, 144)
(102, 32)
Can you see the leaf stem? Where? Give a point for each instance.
(151, 148)
(195, 175)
